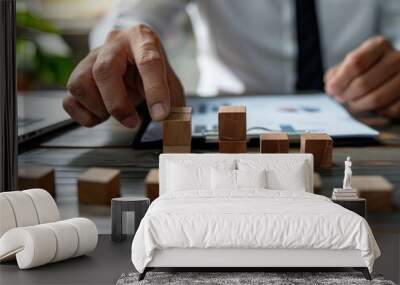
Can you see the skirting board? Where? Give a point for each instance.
(178, 257)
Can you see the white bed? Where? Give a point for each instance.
(201, 220)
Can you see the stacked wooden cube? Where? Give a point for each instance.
(232, 129)
(177, 131)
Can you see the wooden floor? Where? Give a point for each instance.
(73, 151)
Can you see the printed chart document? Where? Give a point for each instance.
(293, 114)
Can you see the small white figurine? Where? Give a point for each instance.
(347, 174)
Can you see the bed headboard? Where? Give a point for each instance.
(213, 158)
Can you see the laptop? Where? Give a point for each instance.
(39, 113)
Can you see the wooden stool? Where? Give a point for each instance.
(98, 186)
(120, 207)
(37, 177)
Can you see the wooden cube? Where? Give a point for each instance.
(317, 183)
(232, 123)
(321, 146)
(152, 184)
(98, 186)
(37, 177)
(177, 130)
(276, 142)
(187, 110)
(232, 146)
(177, 149)
(376, 190)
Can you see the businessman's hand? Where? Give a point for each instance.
(113, 79)
(368, 79)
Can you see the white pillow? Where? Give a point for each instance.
(251, 179)
(288, 175)
(183, 178)
(187, 176)
(295, 180)
(223, 179)
(226, 179)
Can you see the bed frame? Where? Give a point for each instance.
(240, 259)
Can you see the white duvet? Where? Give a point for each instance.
(250, 219)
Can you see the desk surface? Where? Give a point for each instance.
(108, 145)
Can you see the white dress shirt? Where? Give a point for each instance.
(250, 46)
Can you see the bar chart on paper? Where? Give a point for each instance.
(293, 114)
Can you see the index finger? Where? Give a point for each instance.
(108, 71)
(358, 62)
(151, 65)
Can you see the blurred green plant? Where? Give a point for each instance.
(43, 58)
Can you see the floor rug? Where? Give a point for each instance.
(244, 278)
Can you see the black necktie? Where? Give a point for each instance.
(309, 61)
